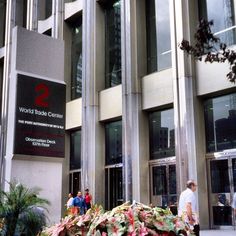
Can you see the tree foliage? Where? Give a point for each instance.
(21, 211)
(208, 46)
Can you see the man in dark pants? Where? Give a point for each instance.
(187, 209)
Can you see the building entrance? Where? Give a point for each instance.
(163, 184)
(222, 186)
(113, 188)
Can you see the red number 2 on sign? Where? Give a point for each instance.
(42, 95)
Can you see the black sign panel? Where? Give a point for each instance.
(40, 117)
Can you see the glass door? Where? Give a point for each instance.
(113, 188)
(163, 186)
(222, 174)
(75, 182)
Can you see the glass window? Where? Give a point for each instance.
(76, 52)
(48, 8)
(159, 180)
(234, 173)
(113, 142)
(75, 150)
(113, 188)
(75, 182)
(112, 44)
(220, 123)
(21, 12)
(172, 179)
(219, 176)
(44, 9)
(161, 134)
(158, 35)
(2, 22)
(210, 9)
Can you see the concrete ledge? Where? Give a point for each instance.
(44, 25)
(71, 8)
(74, 114)
(110, 101)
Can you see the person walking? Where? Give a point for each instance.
(69, 202)
(187, 208)
(88, 198)
(79, 203)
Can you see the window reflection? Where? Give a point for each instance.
(21, 13)
(48, 8)
(151, 36)
(234, 173)
(114, 188)
(162, 134)
(220, 123)
(74, 182)
(163, 35)
(112, 44)
(159, 180)
(113, 142)
(219, 176)
(158, 35)
(75, 150)
(44, 9)
(76, 82)
(2, 22)
(172, 179)
(209, 9)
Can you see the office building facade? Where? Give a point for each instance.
(116, 106)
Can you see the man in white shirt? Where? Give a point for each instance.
(187, 208)
(70, 201)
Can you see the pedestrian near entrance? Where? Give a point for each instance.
(79, 203)
(88, 198)
(70, 201)
(187, 209)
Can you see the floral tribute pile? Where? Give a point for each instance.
(126, 219)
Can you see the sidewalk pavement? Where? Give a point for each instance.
(218, 233)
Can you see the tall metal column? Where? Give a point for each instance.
(58, 14)
(131, 103)
(184, 96)
(5, 85)
(92, 159)
(32, 15)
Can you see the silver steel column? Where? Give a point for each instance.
(58, 18)
(5, 85)
(184, 96)
(32, 15)
(92, 140)
(131, 103)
